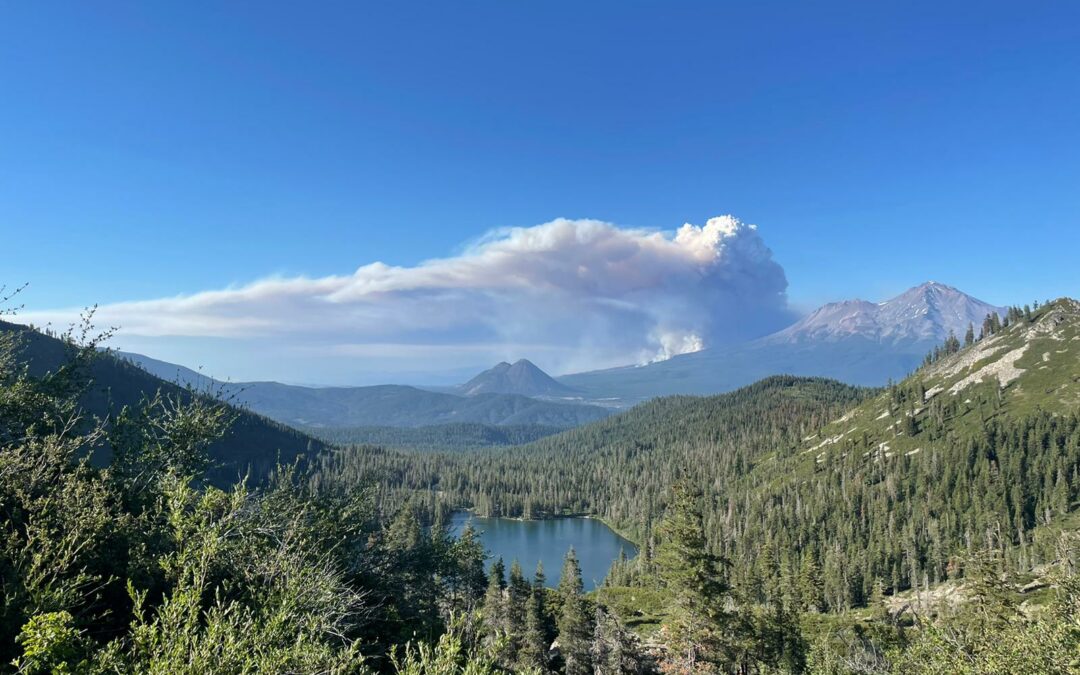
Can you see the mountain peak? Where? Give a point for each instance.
(928, 290)
(522, 377)
(926, 313)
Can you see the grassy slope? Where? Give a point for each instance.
(1027, 366)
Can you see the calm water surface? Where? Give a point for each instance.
(532, 541)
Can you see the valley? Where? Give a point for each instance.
(834, 497)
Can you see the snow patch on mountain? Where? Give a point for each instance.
(926, 313)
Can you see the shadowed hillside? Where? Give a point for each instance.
(252, 444)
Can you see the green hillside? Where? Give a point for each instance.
(810, 478)
(979, 450)
(1028, 367)
(619, 468)
(460, 436)
(252, 444)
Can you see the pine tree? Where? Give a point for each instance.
(810, 587)
(575, 632)
(909, 426)
(518, 597)
(495, 601)
(695, 578)
(877, 600)
(534, 644)
(468, 554)
(992, 604)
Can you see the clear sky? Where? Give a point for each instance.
(155, 149)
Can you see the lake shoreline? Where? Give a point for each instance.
(546, 540)
(611, 526)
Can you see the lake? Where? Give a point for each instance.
(547, 541)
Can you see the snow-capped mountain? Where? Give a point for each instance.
(927, 313)
(853, 341)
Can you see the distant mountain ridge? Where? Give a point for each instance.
(253, 445)
(521, 377)
(927, 313)
(855, 341)
(379, 405)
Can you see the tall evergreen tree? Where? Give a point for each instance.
(614, 650)
(534, 644)
(518, 595)
(468, 555)
(575, 631)
(702, 629)
(495, 602)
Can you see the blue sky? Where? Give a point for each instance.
(155, 149)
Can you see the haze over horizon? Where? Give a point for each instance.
(168, 313)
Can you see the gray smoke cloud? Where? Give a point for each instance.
(573, 294)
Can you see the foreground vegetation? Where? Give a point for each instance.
(141, 567)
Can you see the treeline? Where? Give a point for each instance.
(992, 324)
(437, 437)
(619, 468)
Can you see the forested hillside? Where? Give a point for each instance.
(621, 467)
(810, 498)
(434, 438)
(251, 444)
(973, 452)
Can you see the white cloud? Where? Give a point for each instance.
(574, 289)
